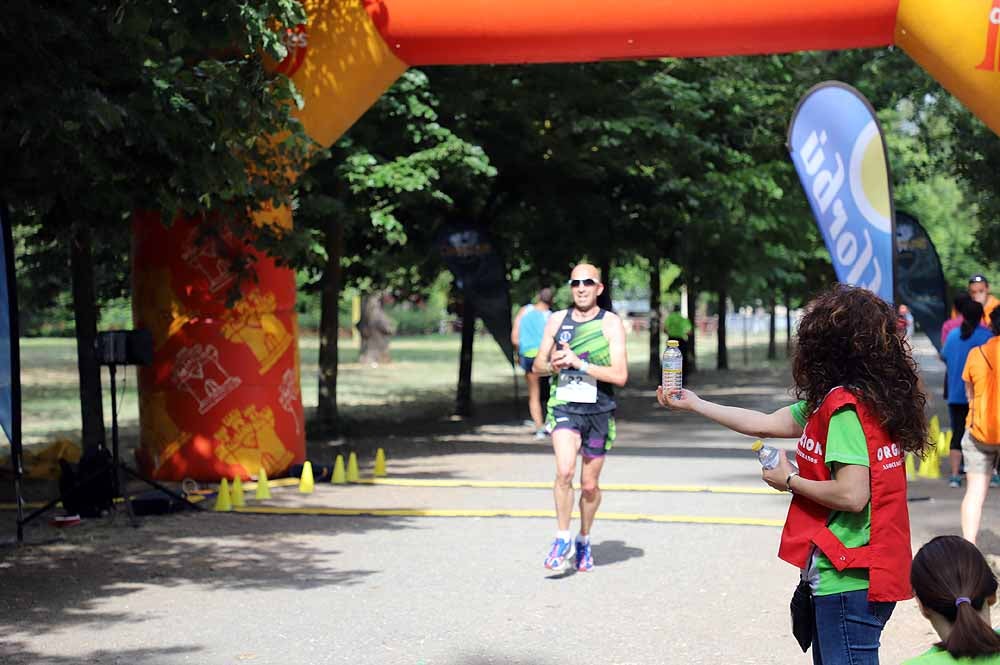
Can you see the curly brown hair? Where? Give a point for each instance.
(848, 337)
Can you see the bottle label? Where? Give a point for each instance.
(575, 386)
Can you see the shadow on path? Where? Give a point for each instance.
(52, 585)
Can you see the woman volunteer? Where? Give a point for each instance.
(847, 527)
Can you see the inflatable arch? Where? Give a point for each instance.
(223, 398)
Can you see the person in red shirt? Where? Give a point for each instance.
(861, 409)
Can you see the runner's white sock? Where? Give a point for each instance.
(562, 535)
(582, 539)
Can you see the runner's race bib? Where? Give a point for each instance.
(575, 386)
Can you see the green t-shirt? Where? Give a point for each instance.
(845, 444)
(938, 656)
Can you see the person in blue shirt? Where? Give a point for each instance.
(957, 346)
(526, 335)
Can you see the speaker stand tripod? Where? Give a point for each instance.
(120, 488)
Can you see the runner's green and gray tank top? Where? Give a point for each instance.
(587, 340)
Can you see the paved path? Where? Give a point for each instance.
(297, 589)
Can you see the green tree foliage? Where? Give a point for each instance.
(114, 107)
(158, 105)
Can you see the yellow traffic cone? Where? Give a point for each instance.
(352, 468)
(239, 498)
(933, 430)
(223, 502)
(338, 471)
(306, 482)
(942, 445)
(935, 467)
(911, 471)
(946, 446)
(263, 489)
(930, 466)
(380, 463)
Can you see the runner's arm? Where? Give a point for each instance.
(541, 364)
(617, 373)
(779, 424)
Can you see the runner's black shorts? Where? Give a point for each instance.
(596, 430)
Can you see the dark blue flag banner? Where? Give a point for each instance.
(479, 272)
(10, 381)
(919, 279)
(10, 361)
(838, 150)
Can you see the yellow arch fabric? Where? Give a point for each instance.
(956, 42)
(352, 44)
(347, 68)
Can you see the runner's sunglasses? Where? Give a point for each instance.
(585, 282)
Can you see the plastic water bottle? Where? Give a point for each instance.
(767, 455)
(673, 368)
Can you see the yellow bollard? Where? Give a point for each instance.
(352, 468)
(911, 471)
(223, 502)
(338, 471)
(380, 463)
(263, 489)
(306, 482)
(239, 497)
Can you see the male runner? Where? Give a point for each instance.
(584, 348)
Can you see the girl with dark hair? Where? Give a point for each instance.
(955, 588)
(860, 410)
(957, 346)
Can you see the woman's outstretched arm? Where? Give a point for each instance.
(780, 424)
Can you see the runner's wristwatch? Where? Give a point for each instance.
(583, 366)
(788, 481)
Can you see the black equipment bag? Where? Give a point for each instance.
(87, 488)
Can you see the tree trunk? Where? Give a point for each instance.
(376, 328)
(604, 300)
(463, 398)
(329, 328)
(772, 350)
(788, 326)
(722, 356)
(654, 320)
(85, 318)
(692, 309)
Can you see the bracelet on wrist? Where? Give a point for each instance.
(788, 481)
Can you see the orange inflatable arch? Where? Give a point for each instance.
(223, 398)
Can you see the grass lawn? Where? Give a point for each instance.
(419, 384)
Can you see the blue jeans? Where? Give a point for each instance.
(848, 628)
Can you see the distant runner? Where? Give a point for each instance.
(584, 347)
(526, 335)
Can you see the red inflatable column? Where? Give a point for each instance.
(222, 397)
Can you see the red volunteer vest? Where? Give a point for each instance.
(887, 556)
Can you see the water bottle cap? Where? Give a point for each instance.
(673, 342)
(757, 445)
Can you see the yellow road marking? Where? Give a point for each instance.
(438, 512)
